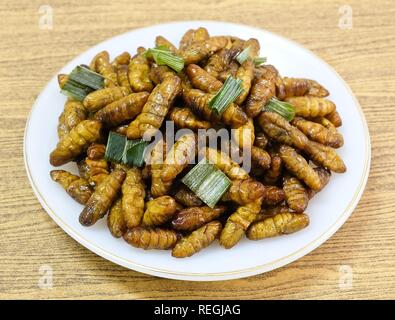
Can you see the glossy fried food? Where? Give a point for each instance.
(261, 157)
(202, 80)
(275, 169)
(115, 220)
(133, 194)
(151, 238)
(310, 106)
(158, 154)
(103, 66)
(74, 112)
(185, 118)
(334, 118)
(263, 89)
(159, 210)
(317, 89)
(325, 156)
(123, 77)
(78, 188)
(193, 35)
(159, 73)
(100, 98)
(122, 110)
(198, 101)
(75, 142)
(154, 111)
(296, 194)
(194, 217)
(246, 74)
(319, 133)
(97, 170)
(282, 223)
(244, 191)
(279, 129)
(102, 199)
(261, 140)
(187, 198)
(274, 195)
(197, 240)
(298, 165)
(238, 223)
(122, 59)
(324, 175)
(96, 151)
(220, 61)
(138, 72)
(244, 136)
(161, 41)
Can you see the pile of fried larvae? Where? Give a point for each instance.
(149, 207)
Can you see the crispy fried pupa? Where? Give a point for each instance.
(224, 163)
(324, 175)
(325, 156)
(298, 165)
(122, 110)
(261, 157)
(102, 199)
(96, 151)
(317, 89)
(274, 195)
(180, 155)
(279, 129)
(104, 67)
(185, 118)
(262, 90)
(244, 136)
(246, 74)
(138, 72)
(163, 42)
(115, 220)
(282, 223)
(73, 113)
(100, 98)
(197, 240)
(75, 142)
(159, 210)
(272, 211)
(220, 61)
(151, 238)
(194, 217)
(187, 198)
(310, 107)
(159, 73)
(319, 133)
(123, 78)
(154, 111)
(78, 188)
(274, 172)
(157, 157)
(233, 116)
(202, 80)
(193, 35)
(238, 223)
(296, 87)
(295, 194)
(97, 169)
(261, 140)
(122, 59)
(244, 191)
(133, 194)
(334, 118)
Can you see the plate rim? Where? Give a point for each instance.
(215, 276)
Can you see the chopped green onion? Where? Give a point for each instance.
(75, 90)
(163, 56)
(207, 182)
(243, 55)
(284, 109)
(258, 61)
(226, 95)
(87, 77)
(120, 149)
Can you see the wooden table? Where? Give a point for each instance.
(29, 56)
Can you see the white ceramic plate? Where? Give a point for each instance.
(327, 211)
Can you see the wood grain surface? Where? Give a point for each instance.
(29, 56)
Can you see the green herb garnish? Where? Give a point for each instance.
(87, 77)
(284, 109)
(243, 55)
(258, 61)
(226, 95)
(75, 90)
(163, 56)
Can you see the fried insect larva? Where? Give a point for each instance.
(298, 165)
(159, 210)
(73, 113)
(151, 238)
(219, 62)
(224, 163)
(279, 129)
(325, 156)
(244, 191)
(179, 156)
(319, 133)
(273, 195)
(159, 73)
(194, 217)
(262, 90)
(244, 136)
(98, 170)
(185, 118)
(296, 87)
(273, 210)
(310, 106)
(193, 35)
(122, 59)
(317, 89)
(246, 74)
(334, 118)
(103, 197)
(155, 109)
(296, 194)
(98, 99)
(161, 41)
(261, 140)
(133, 194)
(157, 157)
(261, 157)
(78, 188)
(122, 110)
(75, 142)
(123, 78)
(231, 71)
(233, 116)
(96, 151)
(274, 172)
(282, 223)
(197, 240)
(138, 72)
(199, 50)
(187, 198)
(104, 67)
(121, 129)
(324, 177)
(202, 80)
(115, 220)
(238, 223)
